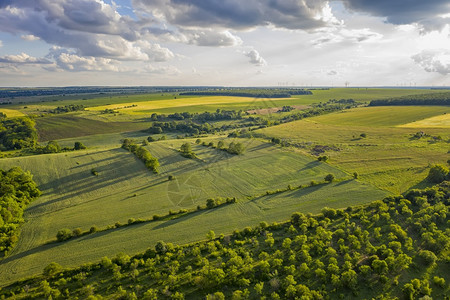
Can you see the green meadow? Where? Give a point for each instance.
(104, 184)
(124, 188)
(388, 156)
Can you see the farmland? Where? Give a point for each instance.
(105, 186)
(388, 156)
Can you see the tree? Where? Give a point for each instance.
(211, 235)
(186, 148)
(52, 269)
(79, 146)
(161, 247)
(52, 147)
(329, 178)
(63, 235)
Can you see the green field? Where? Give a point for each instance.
(72, 198)
(388, 157)
(11, 113)
(383, 116)
(67, 126)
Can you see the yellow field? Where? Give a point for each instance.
(136, 107)
(442, 121)
(11, 113)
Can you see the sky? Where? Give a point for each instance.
(225, 42)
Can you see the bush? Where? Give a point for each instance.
(427, 256)
(52, 269)
(79, 146)
(63, 235)
(329, 178)
(77, 232)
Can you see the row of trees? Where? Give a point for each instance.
(321, 108)
(17, 190)
(395, 247)
(424, 99)
(256, 93)
(54, 147)
(67, 108)
(233, 148)
(219, 114)
(143, 154)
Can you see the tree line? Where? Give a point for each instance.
(143, 154)
(256, 93)
(17, 190)
(423, 99)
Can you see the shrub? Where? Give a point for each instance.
(329, 178)
(77, 232)
(52, 269)
(427, 256)
(63, 235)
(79, 146)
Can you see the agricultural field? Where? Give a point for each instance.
(388, 154)
(74, 198)
(11, 113)
(106, 186)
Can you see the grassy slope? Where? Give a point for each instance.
(72, 198)
(11, 113)
(66, 126)
(388, 157)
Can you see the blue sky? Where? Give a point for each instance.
(224, 42)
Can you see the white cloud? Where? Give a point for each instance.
(212, 38)
(29, 37)
(23, 58)
(255, 58)
(339, 35)
(434, 60)
(165, 70)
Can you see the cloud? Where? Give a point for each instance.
(65, 60)
(238, 15)
(166, 70)
(437, 61)
(332, 73)
(425, 13)
(212, 38)
(255, 58)
(29, 37)
(338, 35)
(91, 28)
(23, 59)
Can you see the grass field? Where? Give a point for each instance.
(11, 113)
(442, 121)
(383, 116)
(67, 126)
(388, 157)
(73, 197)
